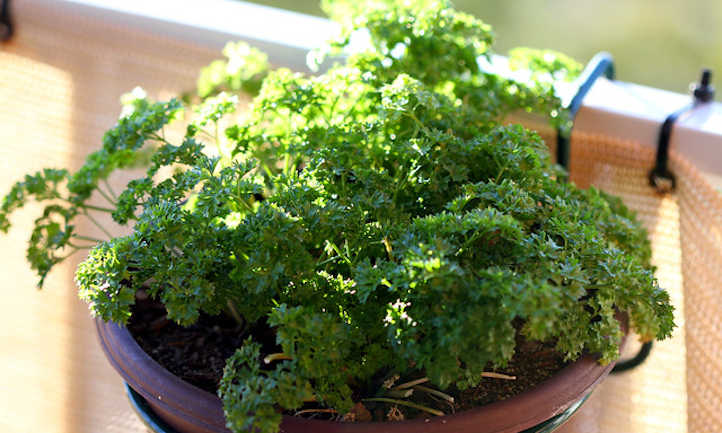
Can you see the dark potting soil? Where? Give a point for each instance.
(197, 355)
(532, 364)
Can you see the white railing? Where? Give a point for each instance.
(628, 111)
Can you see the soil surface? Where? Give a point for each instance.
(197, 355)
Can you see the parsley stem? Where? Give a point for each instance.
(286, 164)
(106, 196)
(98, 208)
(110, 189)
(234, 312)
(77, 248)
(328, 260)
(208, 134)
(161, 139)
(406, 403)
(338, 251)
(329, 116)
(88, 238)
(389, 251)
(97, 224)
(419, 124)
(217, 139)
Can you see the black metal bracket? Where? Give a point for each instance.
(601, 64)
(6, 22)
(660, 177)
(638, 359)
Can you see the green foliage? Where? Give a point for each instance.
(546, 66)
(430, 38)
(243, 69)
(67, 195)
(379, 218)
(250, 395)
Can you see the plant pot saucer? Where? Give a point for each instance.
(156, 425)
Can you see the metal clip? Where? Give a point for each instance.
(601, 64)
(660, 177)
(6, 23)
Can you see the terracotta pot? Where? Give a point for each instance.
(191, 410)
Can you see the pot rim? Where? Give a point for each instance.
(167, 392)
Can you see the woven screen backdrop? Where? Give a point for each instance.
(61, 77)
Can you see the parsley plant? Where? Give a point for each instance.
(379, 217)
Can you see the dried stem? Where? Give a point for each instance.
(234, 313)
(412, 383)
(435, 392)
(276, 357)
(406, 403)
(301, 412)
(497, 375)
(400, 393)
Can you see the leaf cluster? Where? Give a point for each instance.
(379, 218)
(66, 196)
(243, 70)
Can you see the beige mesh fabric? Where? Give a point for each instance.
(701, 245)
(679, 388)
(651, 398)
(61, 78)
(60, 81)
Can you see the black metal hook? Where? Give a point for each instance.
(601, 64)
(634, 362)
(6, 22)
(660, 177)
(664, 180)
